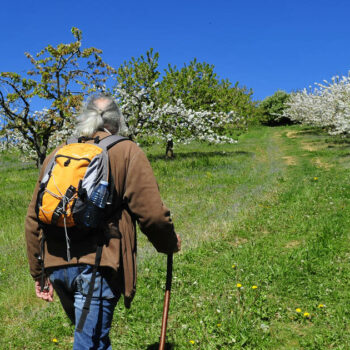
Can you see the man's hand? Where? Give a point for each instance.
(47, 293)
(178, 244)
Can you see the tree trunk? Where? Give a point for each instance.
(169, 153)
(41, 157)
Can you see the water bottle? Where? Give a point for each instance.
(95, 205)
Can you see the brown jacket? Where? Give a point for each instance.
(135, 186)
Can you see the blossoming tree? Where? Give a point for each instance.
(60, 76)
(156, 108)
(327, 105)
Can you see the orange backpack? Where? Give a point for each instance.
(69, 180)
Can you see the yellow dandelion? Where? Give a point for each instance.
(320, 306)
(234, 266)
(54, 340)
(298, 309)
(306, 314)
(315, 178)
(239, 285)
(219, 324)
(254, 287)
(192, 341)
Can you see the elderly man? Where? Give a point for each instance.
(137, 200)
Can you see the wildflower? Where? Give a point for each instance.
(54, 340)
(234, 266)
(192, 341)
(219, 324)
(320, 306)
(254, 287)
(239, 285)
(315, 178)
(306, 314)
(298, 309)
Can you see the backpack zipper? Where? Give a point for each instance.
(61, 155)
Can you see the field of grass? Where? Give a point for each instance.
(265, 260)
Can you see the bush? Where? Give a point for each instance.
(271, 109)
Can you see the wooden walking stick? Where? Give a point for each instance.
(169, 273)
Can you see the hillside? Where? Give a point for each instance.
(265, 228)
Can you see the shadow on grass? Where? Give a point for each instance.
(345, 155)
(344, 142)
(184, 155)
(155, 346)
(18, 166)
(310, 132)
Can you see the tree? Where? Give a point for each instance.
(137, 91)
(194, 84)
(60, 77)
(271, 109)
(327, 105)
(199, 88)
(179, 108)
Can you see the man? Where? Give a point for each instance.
(137, 199)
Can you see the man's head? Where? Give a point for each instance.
(99, 113)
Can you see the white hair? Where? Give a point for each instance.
(100, 113)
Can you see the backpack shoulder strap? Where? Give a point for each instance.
(72, 140)
(109, 141)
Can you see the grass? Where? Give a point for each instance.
(271, 212)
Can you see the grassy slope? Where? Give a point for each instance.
(275, 206)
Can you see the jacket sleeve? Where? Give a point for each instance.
(32, 231)
(33, 238)
(143, 198)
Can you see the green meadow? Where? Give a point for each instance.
(265, 262)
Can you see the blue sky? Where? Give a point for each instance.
(265, 45)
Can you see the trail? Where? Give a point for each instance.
(251, 176)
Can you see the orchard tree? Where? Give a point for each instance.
(194, 84)
(60, 77)
(327, 105)
(271, 109)
(199, 88)
(174, 122)
(151, 104)
(137, 91)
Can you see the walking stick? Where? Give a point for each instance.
(169, 273)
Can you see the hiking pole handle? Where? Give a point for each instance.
(169, 274)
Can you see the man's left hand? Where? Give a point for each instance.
(47, 293)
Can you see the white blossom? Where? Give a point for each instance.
(327, 105)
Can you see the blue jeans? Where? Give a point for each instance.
(71, 285)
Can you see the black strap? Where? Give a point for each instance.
(41, 261)
(86, 307)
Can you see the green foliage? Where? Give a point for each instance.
(194, 84)
(270, 110)
(199, 87)
(142, 91)
(140, 73)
